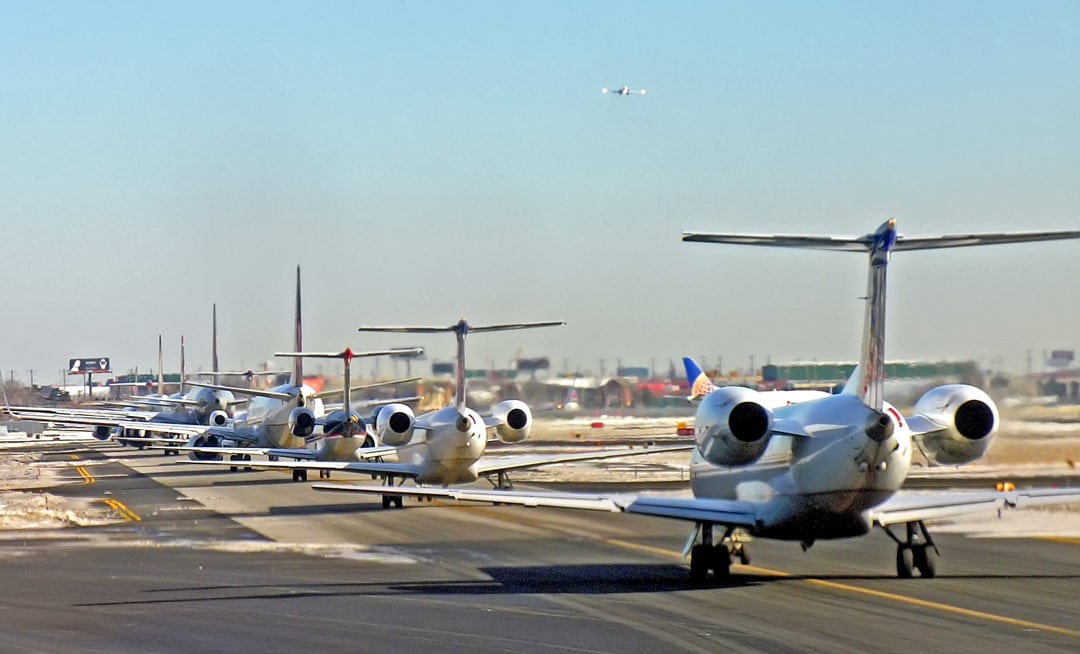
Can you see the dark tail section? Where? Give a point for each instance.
(298, 338)
(213, 341)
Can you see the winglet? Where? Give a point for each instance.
(700, 384)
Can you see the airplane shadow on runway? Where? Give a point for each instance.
(584, 579)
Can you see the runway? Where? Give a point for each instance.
(208, 560)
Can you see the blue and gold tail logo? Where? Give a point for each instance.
(700, 384)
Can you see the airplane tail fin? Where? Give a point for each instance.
(700, 384)
(182, 365)
(461, 329)
(160, 368)
(869, 377)
(213, 339)
(298, 338)
(346, 356)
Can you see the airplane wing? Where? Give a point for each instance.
(244, 391)
(142, 425)
(721, 512)
(367, 467)
(932, 506)
(286, 452)
(492, 465)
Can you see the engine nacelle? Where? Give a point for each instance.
(218, 419)
(204, 440)
(102, 432)
(394, 424)
(969, 419)
(515, 421)
(302, 422)
(732, 426)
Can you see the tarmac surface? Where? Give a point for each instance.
(195, 559)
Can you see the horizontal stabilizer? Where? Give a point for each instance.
(866, 242)
(457, 326)
(365, 387)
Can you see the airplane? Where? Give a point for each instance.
(345, 435)
(701, 386)
(824, 469)
(281, 417)
(624, 91)
(170, 417)
(446, 446)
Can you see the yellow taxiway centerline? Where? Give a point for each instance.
(83, 472)
(832, 585)
(124, 512)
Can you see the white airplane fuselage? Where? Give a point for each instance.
(270, 416)
(818, 486)
(444, 454)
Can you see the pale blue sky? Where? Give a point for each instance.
(427, 160)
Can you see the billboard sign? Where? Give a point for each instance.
(88, 365)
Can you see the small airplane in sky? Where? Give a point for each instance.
(823, 469)
(626, 90)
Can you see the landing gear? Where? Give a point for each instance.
(324, 474)
(299, 475)
(392, 500)
(706, 556)
(389, 501)
(502, 481)
(916, 552)
(239, 457)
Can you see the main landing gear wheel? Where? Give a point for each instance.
(299, 475)
(707, 556)
(916, 552)
(392, 500)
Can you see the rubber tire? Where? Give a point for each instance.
(386, 501)
(926, 561)
(699, 563)
(720, 562)
(905, 562)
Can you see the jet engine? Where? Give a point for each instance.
(204, 440)
(302, 422)
(732, 427)
(394, 424)
(966, 420)
(102, 432)
(218, 419)
(515, 420)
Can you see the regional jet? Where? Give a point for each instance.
(446, 446)
(824, 469)
(281, 417)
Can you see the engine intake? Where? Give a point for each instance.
(218, 419)
(394, 424)
(515, 420)
(302, 422)
(204, 440)
(732, 427)
(966, 420)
